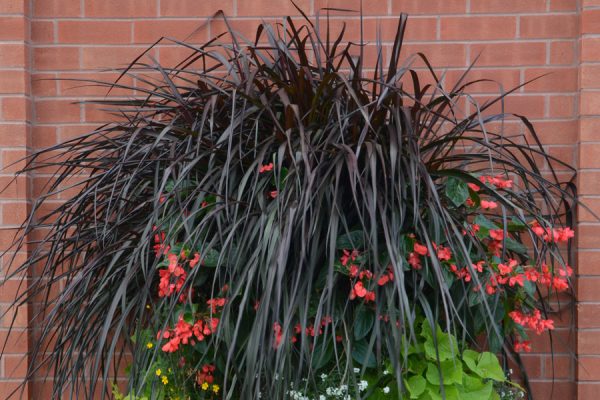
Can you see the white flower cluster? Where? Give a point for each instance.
(340, 392)
(294, 395)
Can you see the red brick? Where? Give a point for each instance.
(548, 26)
(532, 106)
(12, 7)
(565, 154)
(16, 342)
(43, 136)
(13, 161)
(173, 55)
(508, 78)
(589, 182)
(590, 49)
(509, 54)
(94, 32)
(559, 366)
(44, 84)
(432, 7)
(588, 316)
(587, 288)
(556, 132)
(15, 367)
(589, 129)
(563, 106)
(555, 80)
(416, 28)
(588, 235)
(590, 76)
(589, 103)
(68, 132)
(588, 368)
(563, 341)
(120, 9)
(268, 8)
(509, 6)
(563, 5)
(245, 27)
(48, 111)
(56, 8)
(548, 390)
(439, 55)
(42, 32)
(13, 55)
(587, 342)
(55, 58)
(13, 28)
(16, 109)
(149, 31)
(111, 57)
(13, 135)
(371, 8)
(478, 28)
(588, 390)
(12, 82)
(84, 84)
(590, 21)
(194, 8)
(562, 52)
(98, 113)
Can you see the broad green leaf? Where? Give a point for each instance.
(470, 359)
(364, 319)
(452, 393)
(350, 240)
(444, 347)
(432, 392)
(210, 258)
(485, 364)
(321, 355)
(512, 245)
(489, 364)
(476, 389)
(451, 372)
(361, 353)
(457, 191)
(415, 385)
(483, 222)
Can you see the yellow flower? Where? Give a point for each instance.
(215, 388)
(165, 380)
(169, 370)
(205, 386)
(158, 372)
(149, 345)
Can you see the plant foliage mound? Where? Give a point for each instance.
(274, 220)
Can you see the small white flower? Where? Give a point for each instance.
(356, 370)
(363, 385)
(321, 397)
(386, 372)
(386, 390)
(323, 377)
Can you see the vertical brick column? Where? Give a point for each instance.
(15, 118)
(588, 247)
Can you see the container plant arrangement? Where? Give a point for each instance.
(274, 220)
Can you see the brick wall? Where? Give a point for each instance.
(516, 39)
